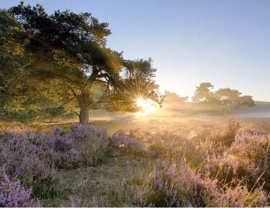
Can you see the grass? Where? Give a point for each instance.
(101, 185)
(172, 162)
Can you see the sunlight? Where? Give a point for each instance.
(147, 106)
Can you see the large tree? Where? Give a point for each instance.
(69, 50)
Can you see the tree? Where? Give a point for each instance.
(174, 102)
(233, 98)
(70, 50)
(18, 92)
(203, 94)
(11, 48)
(224, 97)
(132, 89)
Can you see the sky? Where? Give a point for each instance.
(225, 42)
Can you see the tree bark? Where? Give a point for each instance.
(84, 115)
(85, 102)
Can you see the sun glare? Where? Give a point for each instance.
(147, 106)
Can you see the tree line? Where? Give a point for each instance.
(223, 100)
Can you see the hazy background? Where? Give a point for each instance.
(222, 42)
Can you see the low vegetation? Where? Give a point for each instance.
(186, 163)
(56, 66)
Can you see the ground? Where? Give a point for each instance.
(199, 146)
(101, 184)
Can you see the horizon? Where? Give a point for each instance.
(190, 42)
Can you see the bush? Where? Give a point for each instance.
(82, 145)
(238, 196)
(123, 143)
(33, 157)
(181, 186)
(173, 186)
(247, 159)
(13, 194)
(23, 159)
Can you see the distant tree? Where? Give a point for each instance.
(69, 50)
(174, 97)
(203, 94)
(229, 97)
(174, 101)
(225, 97)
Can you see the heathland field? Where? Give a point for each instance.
(112, 104)
(162, 162)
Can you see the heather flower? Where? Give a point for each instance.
(121, 140)
(13, 194)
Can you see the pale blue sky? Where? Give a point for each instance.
(225, 42)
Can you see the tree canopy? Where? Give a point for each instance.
(61, 61)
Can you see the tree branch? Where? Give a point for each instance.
(16, 81)
(76, 113)
(103, 76)
(99, 100)
(68, 101)
(73, 92)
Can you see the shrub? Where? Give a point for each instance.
(238, 196)
(24, 160)
(173, 186)
(247, 159)
(180, 185)
(13, 194)
(82, 145)
(124, 143)
(32, 157)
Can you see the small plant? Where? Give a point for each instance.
(33, 157)
(172, 186)
(13, 194)
(238, 196)
(124, 143)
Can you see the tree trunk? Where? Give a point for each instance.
(84, 115)
(85, 102)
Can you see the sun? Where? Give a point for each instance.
(147, 105)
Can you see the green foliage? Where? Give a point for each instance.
(30, 114)
(44, 189)
(131, 89)
(12, 42)
(70, 50)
